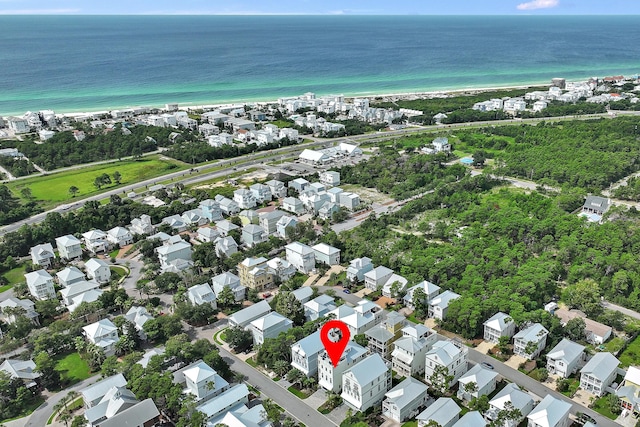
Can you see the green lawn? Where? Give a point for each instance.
(72, 368)
(601, 406)
(114, 253)
(117, 272)
(631, 355)
(53, 188)
(15, 275)
(410, 424)
(299, 394)
(614, 344)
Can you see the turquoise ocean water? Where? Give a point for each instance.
(83, 63)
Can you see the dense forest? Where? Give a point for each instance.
(631, 191)
(197, 151)
(17, 167)
(589, 154)
(63, 150)
(11, 210)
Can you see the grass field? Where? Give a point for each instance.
(72, 368)
(602, 407)
(631, 355)
(53, 188)
(14, 276)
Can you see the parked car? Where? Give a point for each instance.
(346, 291)
(487, 365)
(266, 295)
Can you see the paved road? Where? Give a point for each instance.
(623, 310)
(269, 388)
(40, 416)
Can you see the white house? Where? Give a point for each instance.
(565, 358)
(93, 394)
(405, 400)
(226, 246)
(40, 284)
(138, 316)
(326, 254)
(376, 278)
(202, 294)
(261, 192)
(330, 377)
(293, 205)
(104, 334)
(499, 325)
(441, 145)
(285, 226)
(230, 399)
(447, 355)
(69, 247)
(201, 381)
(277, 188)
(444, 411)
(394, 284)
(269, 326)
(301, 256)
(599, 373)
(357, 269)
(77, 288)
(207, 234)
(318, 307)
(536, 334)
(477, 381)
(69, 276)
(245, 316)
(471, 419)
(231, 281)
(430, 290)
(13, 303)
(439, 305)
(142, 225)
(253, 234)
(96, 241)
(42, 255)
(119, 237)
(349, 200)
(24, 370)
(269, 220)
(174, 256)
(98, 270)
(360, 318)
(330, 178)
(304, 354)
(227, 206)
(242, 416)
(244, 198)
(365, 384)
(551, 412)
(513, 395)
(409, 353)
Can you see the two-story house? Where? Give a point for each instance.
(227, 206)
(357, 269)
(599, 373)
(565, 358)
(301, 256)
(409, 353)
(142, 225)
(394, 285)
(430, 290)
(242, 318)
(511, 396)
(304, 354)
(95, 241)
(253, 234)
(360, 318)
(231, 281)
(550, 412)
(365, 384)
(119, 237)
(439, 306)
(202, 294)
(286, 226)
(277, 188)
(329, 376)
(629, 391)
(176, 256)
(42, 255)
(138, 316)
(40, 284)
(207, 234)
(293, 205)
(330, 178)
(226, 246)
(261, 192)
(10, 307)
(318, 307)
(201, 381)
(269, 220)
(444, 412)
(530, 341)
(69, 247)
(326, 254)
(269, 326)
(445, 354)
(405, 400)
(98, 270)
(477, 381)
(211, 210)
(104, 334)
(244, 198)
(376, 278)
(69, 276)
(499, 325)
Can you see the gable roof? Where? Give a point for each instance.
(37, 277)
(368, 369)
(445, 351)
(471, 419)
(247, 314)
(100, 328)
(269, 320)
(549, 412)
(479, 375)
(441, 411)
(134, 416)
(22, 369)
(499, 321)
(99, 389)
(302, 293)
(601, 365)
(406, 392)
(566, 350)
(511, 393)
(535, 333)
(95, 263)
(309, 345)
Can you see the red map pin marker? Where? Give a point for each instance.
(335, 341)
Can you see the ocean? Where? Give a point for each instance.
(92, 63)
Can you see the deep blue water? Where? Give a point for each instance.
(72, 63)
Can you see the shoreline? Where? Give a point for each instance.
(386, 96)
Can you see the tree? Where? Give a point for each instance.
(510, 415)
(479, 157)
(281, 367)
(575, 329)
(503, 344)
(226, 298)
(440, 379)
(117, 177)
(480, 403)
(73, 190)
(361, 339)
(26, 193)
(273, 411)
(614, 404)
(46, 365)
(584, 295)
(419, 302)
(239, 339)
(470, 388)
(288, 305)
(109, 366)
